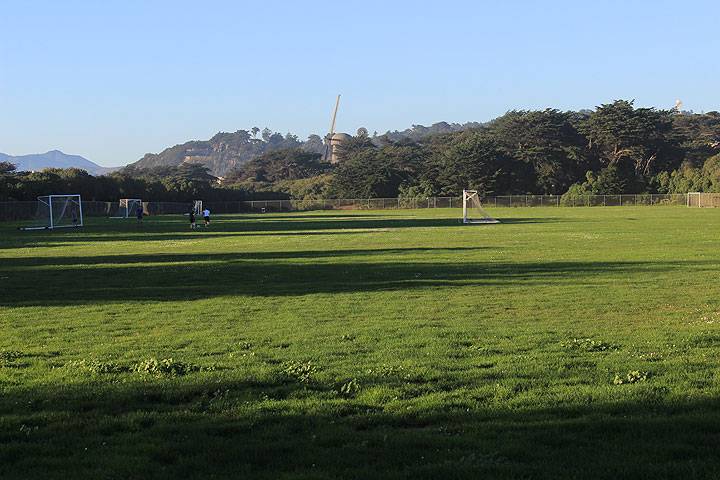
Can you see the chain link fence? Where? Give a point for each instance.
(29, 210)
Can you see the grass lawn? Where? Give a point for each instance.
(562, 343)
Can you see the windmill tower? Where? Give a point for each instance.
(333, 139)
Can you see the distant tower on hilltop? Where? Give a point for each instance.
(333, 139)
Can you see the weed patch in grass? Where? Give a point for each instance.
(589, 345)
(164, 367)
(633, 376)
(96, 367)
(303, 372)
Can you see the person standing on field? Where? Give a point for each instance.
(139, 213)
(206, 217)
(192, 220)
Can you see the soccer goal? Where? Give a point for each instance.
(58, 211)
(127, 207)
(698, 199)
(197, 207)
(473, 212)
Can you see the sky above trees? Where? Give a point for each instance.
(114, 80)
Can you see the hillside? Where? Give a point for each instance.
(227, 151)
(54, 159)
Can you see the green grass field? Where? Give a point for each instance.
(562, 343)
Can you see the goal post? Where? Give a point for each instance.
(699, 199)
(197, 207)
(127, 207)
(473, 211)
(58, 211)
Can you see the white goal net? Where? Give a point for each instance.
(473, 212)
(58, 211)
(697, 199)
(197, 207)
(127, 207)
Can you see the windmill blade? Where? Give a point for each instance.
(332, 124)
(328, 137)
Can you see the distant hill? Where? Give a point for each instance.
(54, 159)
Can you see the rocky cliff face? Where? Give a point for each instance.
(225, 151)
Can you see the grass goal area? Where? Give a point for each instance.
(560, 343)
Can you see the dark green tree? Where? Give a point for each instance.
(548, 141)
(619, 132)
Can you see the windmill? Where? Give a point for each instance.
(332, 139)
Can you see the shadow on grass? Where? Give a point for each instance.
(128, 278)
(248, 429)
(164, 229)
(16, 262)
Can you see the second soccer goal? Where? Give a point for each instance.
(473, 211)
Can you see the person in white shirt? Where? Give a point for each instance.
(206, 217)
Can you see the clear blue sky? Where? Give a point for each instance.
(112, 80)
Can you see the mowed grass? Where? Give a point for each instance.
(562, 343)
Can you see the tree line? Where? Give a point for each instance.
(168, 184)
(615, 148)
